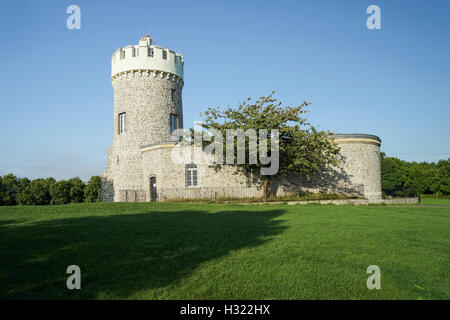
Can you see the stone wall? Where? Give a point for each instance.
(145, 97)
(358, 175)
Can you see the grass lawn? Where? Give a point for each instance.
(435, 201)
(219, 251)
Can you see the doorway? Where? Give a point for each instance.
(153, 193)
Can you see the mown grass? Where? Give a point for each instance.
(442, 201)
(212, 251)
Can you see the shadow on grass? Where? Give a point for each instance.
(122, 254)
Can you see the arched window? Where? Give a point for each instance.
(191, 175)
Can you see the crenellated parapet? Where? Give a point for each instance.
(148, 73)
(146, 56)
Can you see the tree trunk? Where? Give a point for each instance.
(266, 189)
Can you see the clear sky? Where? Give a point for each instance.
(57, 100)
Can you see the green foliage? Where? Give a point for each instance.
(77, 187)
(10, 187)
(47, 191)
(2, 192)
(91, 192)
(400, 178)
(302, 148)
(36, 193)
(60, 192)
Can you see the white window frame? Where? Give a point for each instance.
(122, 122)
(191, 175)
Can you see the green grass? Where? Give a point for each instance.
(212, 251)
(441, 201)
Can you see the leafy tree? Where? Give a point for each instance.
(23, 183)
(400, 178)
(92, 190)
(2, 192)
(76, 190)
(36, 193)
(302, 148)
(10, 188)
(60, 192)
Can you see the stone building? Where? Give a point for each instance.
(148, 83)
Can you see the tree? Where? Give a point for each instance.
(400, 178)
(302, 148)
(92, 190)
(60, 192)
(2, 193)
(10, 187)
(36, 193)
(9, 190)
(76, 190)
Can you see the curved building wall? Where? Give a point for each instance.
(358, 174)
(361, 161)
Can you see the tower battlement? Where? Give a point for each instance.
(146, 56)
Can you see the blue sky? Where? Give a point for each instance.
(57, 99)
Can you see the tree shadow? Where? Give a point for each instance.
(120, 255)
(331, 180)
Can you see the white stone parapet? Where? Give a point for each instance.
(146, 56)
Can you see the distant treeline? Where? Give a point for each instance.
(400, 178)
(15, 190)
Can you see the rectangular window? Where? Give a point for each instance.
(164, 54)
(122, 122)
(150, 52)
(191, 175)
(122, 54)
(173, 122)
(253, 178)
(173, 95)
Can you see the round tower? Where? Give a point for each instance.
(361, 154)
(147, 81)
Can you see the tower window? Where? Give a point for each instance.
(122, 54)
(164, 54)
(191, 175)
(173, 95)
(122, 122)
(150, 52)
(173, 122)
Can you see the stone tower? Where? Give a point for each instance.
(148, 81)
